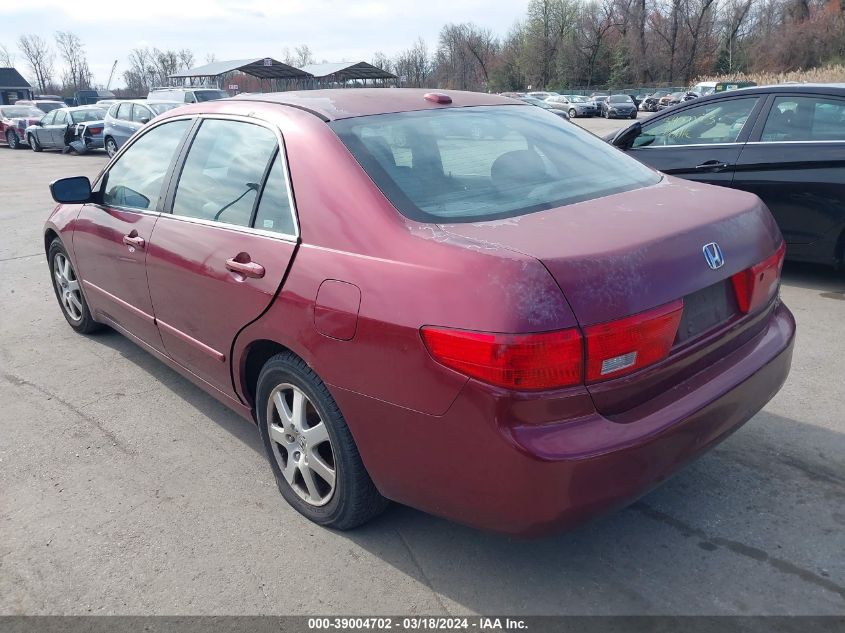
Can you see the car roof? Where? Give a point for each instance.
(344, 103)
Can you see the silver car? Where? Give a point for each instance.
(127, 117)
(573, 105)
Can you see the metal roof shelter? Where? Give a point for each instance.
(13, 86)
(341, 72)
(279, 74)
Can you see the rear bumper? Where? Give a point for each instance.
(95, 142)
(488, 463)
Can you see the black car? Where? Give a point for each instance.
(619, 107)
(649, 104)
(784, 143)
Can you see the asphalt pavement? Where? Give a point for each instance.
(124, 489)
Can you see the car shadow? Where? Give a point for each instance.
(739, 513)
(826, 280)
(218, 413)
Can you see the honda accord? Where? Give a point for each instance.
(516, 332)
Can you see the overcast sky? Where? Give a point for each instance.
(239, 29)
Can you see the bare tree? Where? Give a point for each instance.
(7, 58)
(380, 60)
(77, 74)
(186, 59)
(40, 58)
(465, 56)
(413, 66)
(141, 74)
(302, 56)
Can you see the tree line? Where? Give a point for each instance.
(557, 44)
(561, 44)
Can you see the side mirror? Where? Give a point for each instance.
(624, 139)
(76, 190)
(145, 120)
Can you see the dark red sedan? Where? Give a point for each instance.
(516, 330)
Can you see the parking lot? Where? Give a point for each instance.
(124, 489)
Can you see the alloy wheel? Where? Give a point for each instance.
(111, 147)
(301, 444)
(67, 287)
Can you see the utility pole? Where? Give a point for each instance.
(111, 74)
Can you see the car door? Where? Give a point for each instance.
(699, 142)
(122, 124)
(112, 236)
(56, 131)
(795, 162)
(41, 131)
(141, 115)
(216, 261)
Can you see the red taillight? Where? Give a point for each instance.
(95, 130)
(621, 347)
(756, 285)
(544, 360)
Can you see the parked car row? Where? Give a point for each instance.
(610, 106)
(46, 122)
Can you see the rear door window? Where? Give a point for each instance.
(706, 124)
(222, 175)
(485, 162)
(274, 211)
(125, 112)
(805, 119)
(135, 180)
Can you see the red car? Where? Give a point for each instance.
(515, 332)
(14, 119)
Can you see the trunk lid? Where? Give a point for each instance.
(620, 255)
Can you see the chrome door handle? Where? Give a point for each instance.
(134, 241)
(247, 269)
(714, 165)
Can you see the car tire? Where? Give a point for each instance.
(33, 143)
(291, 400)
(573, 113)
(110, 146)
(68, 289)
(13, 140)
(634, 115)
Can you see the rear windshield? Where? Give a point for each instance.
(210, 95)
(88, 114)
(486, 162)
(46, 106)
